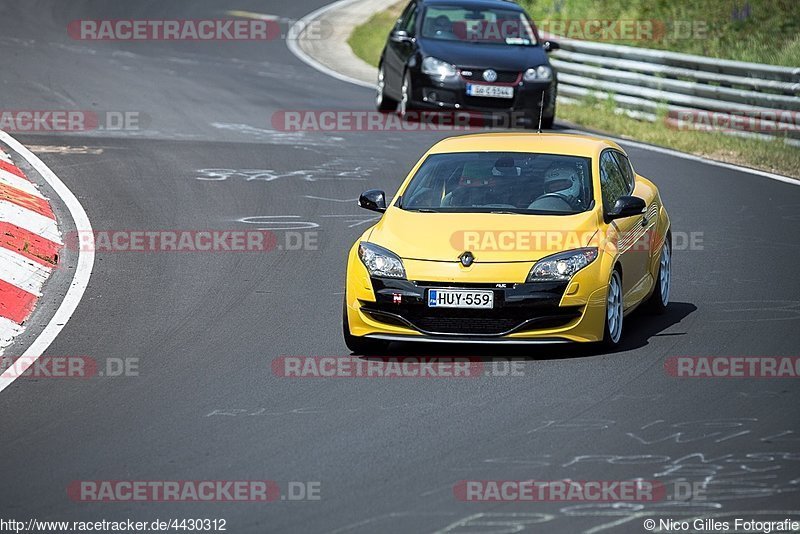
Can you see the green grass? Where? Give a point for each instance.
(368, 39)
(773, 155)
(763, 31)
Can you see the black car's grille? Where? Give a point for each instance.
(503, 76)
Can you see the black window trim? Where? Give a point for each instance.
(410, 11)
(632, 184)
(610, 151)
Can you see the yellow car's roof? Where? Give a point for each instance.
(546, 143)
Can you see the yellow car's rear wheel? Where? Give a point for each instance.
(658, 301)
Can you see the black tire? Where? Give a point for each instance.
(659, 299)
(360, 345)
(382, 102)
(611, 339)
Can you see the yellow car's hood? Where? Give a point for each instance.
(491, 237)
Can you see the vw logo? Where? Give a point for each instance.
(466, 258)
(489, 75)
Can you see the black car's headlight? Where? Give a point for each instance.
(542, 73)
(438, 68)
(380, 262)
(562, 266)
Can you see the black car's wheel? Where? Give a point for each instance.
(383, 102)
(405, 102)
(659, 300)
(612, 333)
(360, 345)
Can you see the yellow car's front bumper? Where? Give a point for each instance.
(525, 313)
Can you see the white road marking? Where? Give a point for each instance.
(331, 199)
(279, 137)
(356, 220)
(83, 269)
(278, 222)
(21, 272)
(52, 149)
(18, 182)
(30, 220)
(256, 16)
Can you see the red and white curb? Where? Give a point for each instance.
(29, 246)
(42, 226)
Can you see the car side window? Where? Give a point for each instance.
(401, 20)
(612, 182)
(627, 170)
(408, 19)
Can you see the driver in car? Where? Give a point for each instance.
(562, 190)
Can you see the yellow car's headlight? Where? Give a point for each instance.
(380, 262)
(562, 266)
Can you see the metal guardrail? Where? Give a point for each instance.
(748, 98)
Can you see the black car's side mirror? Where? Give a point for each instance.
(373, 200)
(400, 36)
(626, 206)
(549, 46)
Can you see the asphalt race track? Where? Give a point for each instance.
(205, 327)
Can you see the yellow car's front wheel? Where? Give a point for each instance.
(614, 311)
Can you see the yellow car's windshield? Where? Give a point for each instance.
(490, 182)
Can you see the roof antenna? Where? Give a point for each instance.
(541, 111)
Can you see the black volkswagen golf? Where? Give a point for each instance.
(480, 56)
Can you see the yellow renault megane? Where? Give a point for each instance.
(509, 238)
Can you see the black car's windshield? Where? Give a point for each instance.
(503, 182)
(478, 25)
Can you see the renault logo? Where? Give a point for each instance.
(489, 75)
(466, 258)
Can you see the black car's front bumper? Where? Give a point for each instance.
(450, 94)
